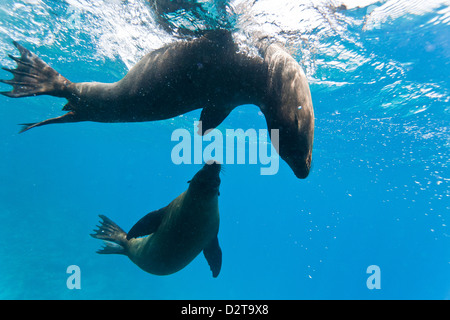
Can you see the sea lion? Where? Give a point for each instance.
(207, 72)
(175, 234)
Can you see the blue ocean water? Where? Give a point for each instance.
(377, 194)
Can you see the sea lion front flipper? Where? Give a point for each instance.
(147, 225)
(213, 255)
(211, 117)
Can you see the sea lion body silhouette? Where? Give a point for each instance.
(207, 72)
(175, 234)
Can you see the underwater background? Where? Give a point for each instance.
(377, 194)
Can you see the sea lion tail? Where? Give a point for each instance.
(115, 239)
(34, 77)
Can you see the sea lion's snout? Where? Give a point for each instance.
(213, 166)
(207, 179)
(296, 135)
(211, 173)
(301, 171)
(299, 163)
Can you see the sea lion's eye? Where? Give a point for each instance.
(189, 181)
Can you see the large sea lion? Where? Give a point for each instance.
(207, 72)
(175, 234)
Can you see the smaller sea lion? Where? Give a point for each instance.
(175, 234)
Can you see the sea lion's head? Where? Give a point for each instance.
(295, 138)
(296, 143)
(288, 107)
(207, 180)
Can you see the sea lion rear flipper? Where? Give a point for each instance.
(112, 235)
(211, 117)
(213, 255)
(147, 225)
(68, 117)
(34, 77)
